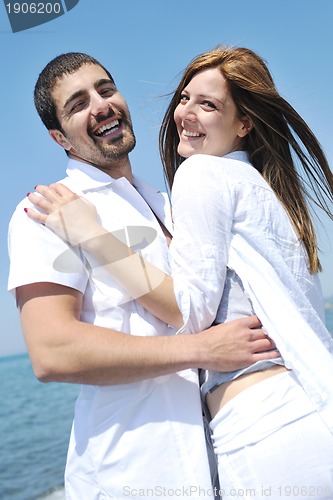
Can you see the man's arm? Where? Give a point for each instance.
(62, 348)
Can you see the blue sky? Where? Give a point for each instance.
(146, 44)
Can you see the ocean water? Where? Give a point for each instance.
(35, 423)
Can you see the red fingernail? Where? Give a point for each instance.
(25, 209)
(35, 186)
(28, 193)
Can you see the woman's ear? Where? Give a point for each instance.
(246, 127)
(60, 139)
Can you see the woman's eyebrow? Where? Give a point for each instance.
(205, 96)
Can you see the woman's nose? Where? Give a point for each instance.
(187, 112)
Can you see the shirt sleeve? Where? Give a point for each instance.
(34, 250)
(203, 217)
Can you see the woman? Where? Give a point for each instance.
(244, 242)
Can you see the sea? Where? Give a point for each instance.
(35, 424)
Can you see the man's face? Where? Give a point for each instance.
(94, 117)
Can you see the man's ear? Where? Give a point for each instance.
(60, 139)
(247, 126)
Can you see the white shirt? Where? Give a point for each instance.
(128, 440)
(226, 215)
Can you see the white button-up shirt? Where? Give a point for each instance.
(144, 438)
(226, 215)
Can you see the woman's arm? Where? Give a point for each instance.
(203, 213)
(75, 220)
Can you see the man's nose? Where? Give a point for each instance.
(99, 105)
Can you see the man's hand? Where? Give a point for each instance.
(235, 345)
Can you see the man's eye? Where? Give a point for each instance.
(107, 92)
(77, 106)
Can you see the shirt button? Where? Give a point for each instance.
(317, 398)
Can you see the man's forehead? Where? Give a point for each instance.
(88, 75)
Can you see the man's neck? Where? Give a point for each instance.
(119, 168)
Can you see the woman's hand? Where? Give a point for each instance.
(70, 216)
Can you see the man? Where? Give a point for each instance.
(137, 427)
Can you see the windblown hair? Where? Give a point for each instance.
(64, 64)
(279, 142)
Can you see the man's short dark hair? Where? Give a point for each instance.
(61, 65)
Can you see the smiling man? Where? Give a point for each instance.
(138, 420)
(92, 121)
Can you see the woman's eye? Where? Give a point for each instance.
(183, 98)
(209, 104)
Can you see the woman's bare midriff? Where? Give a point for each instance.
(225, 392)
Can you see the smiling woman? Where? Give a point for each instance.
(248, 244)
(210, 123)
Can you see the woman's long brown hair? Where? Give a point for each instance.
(279, 145)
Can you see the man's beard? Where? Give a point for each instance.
(106, 153)
(117, 149)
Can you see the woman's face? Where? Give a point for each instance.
(206, 117)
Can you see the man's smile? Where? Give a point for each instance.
(107, 129)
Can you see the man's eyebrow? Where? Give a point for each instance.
(79, 93)
(104, 81)
(76, 94)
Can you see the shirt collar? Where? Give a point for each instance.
(87, 176)
(159, 202)
(239, 155)
(144, 187)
